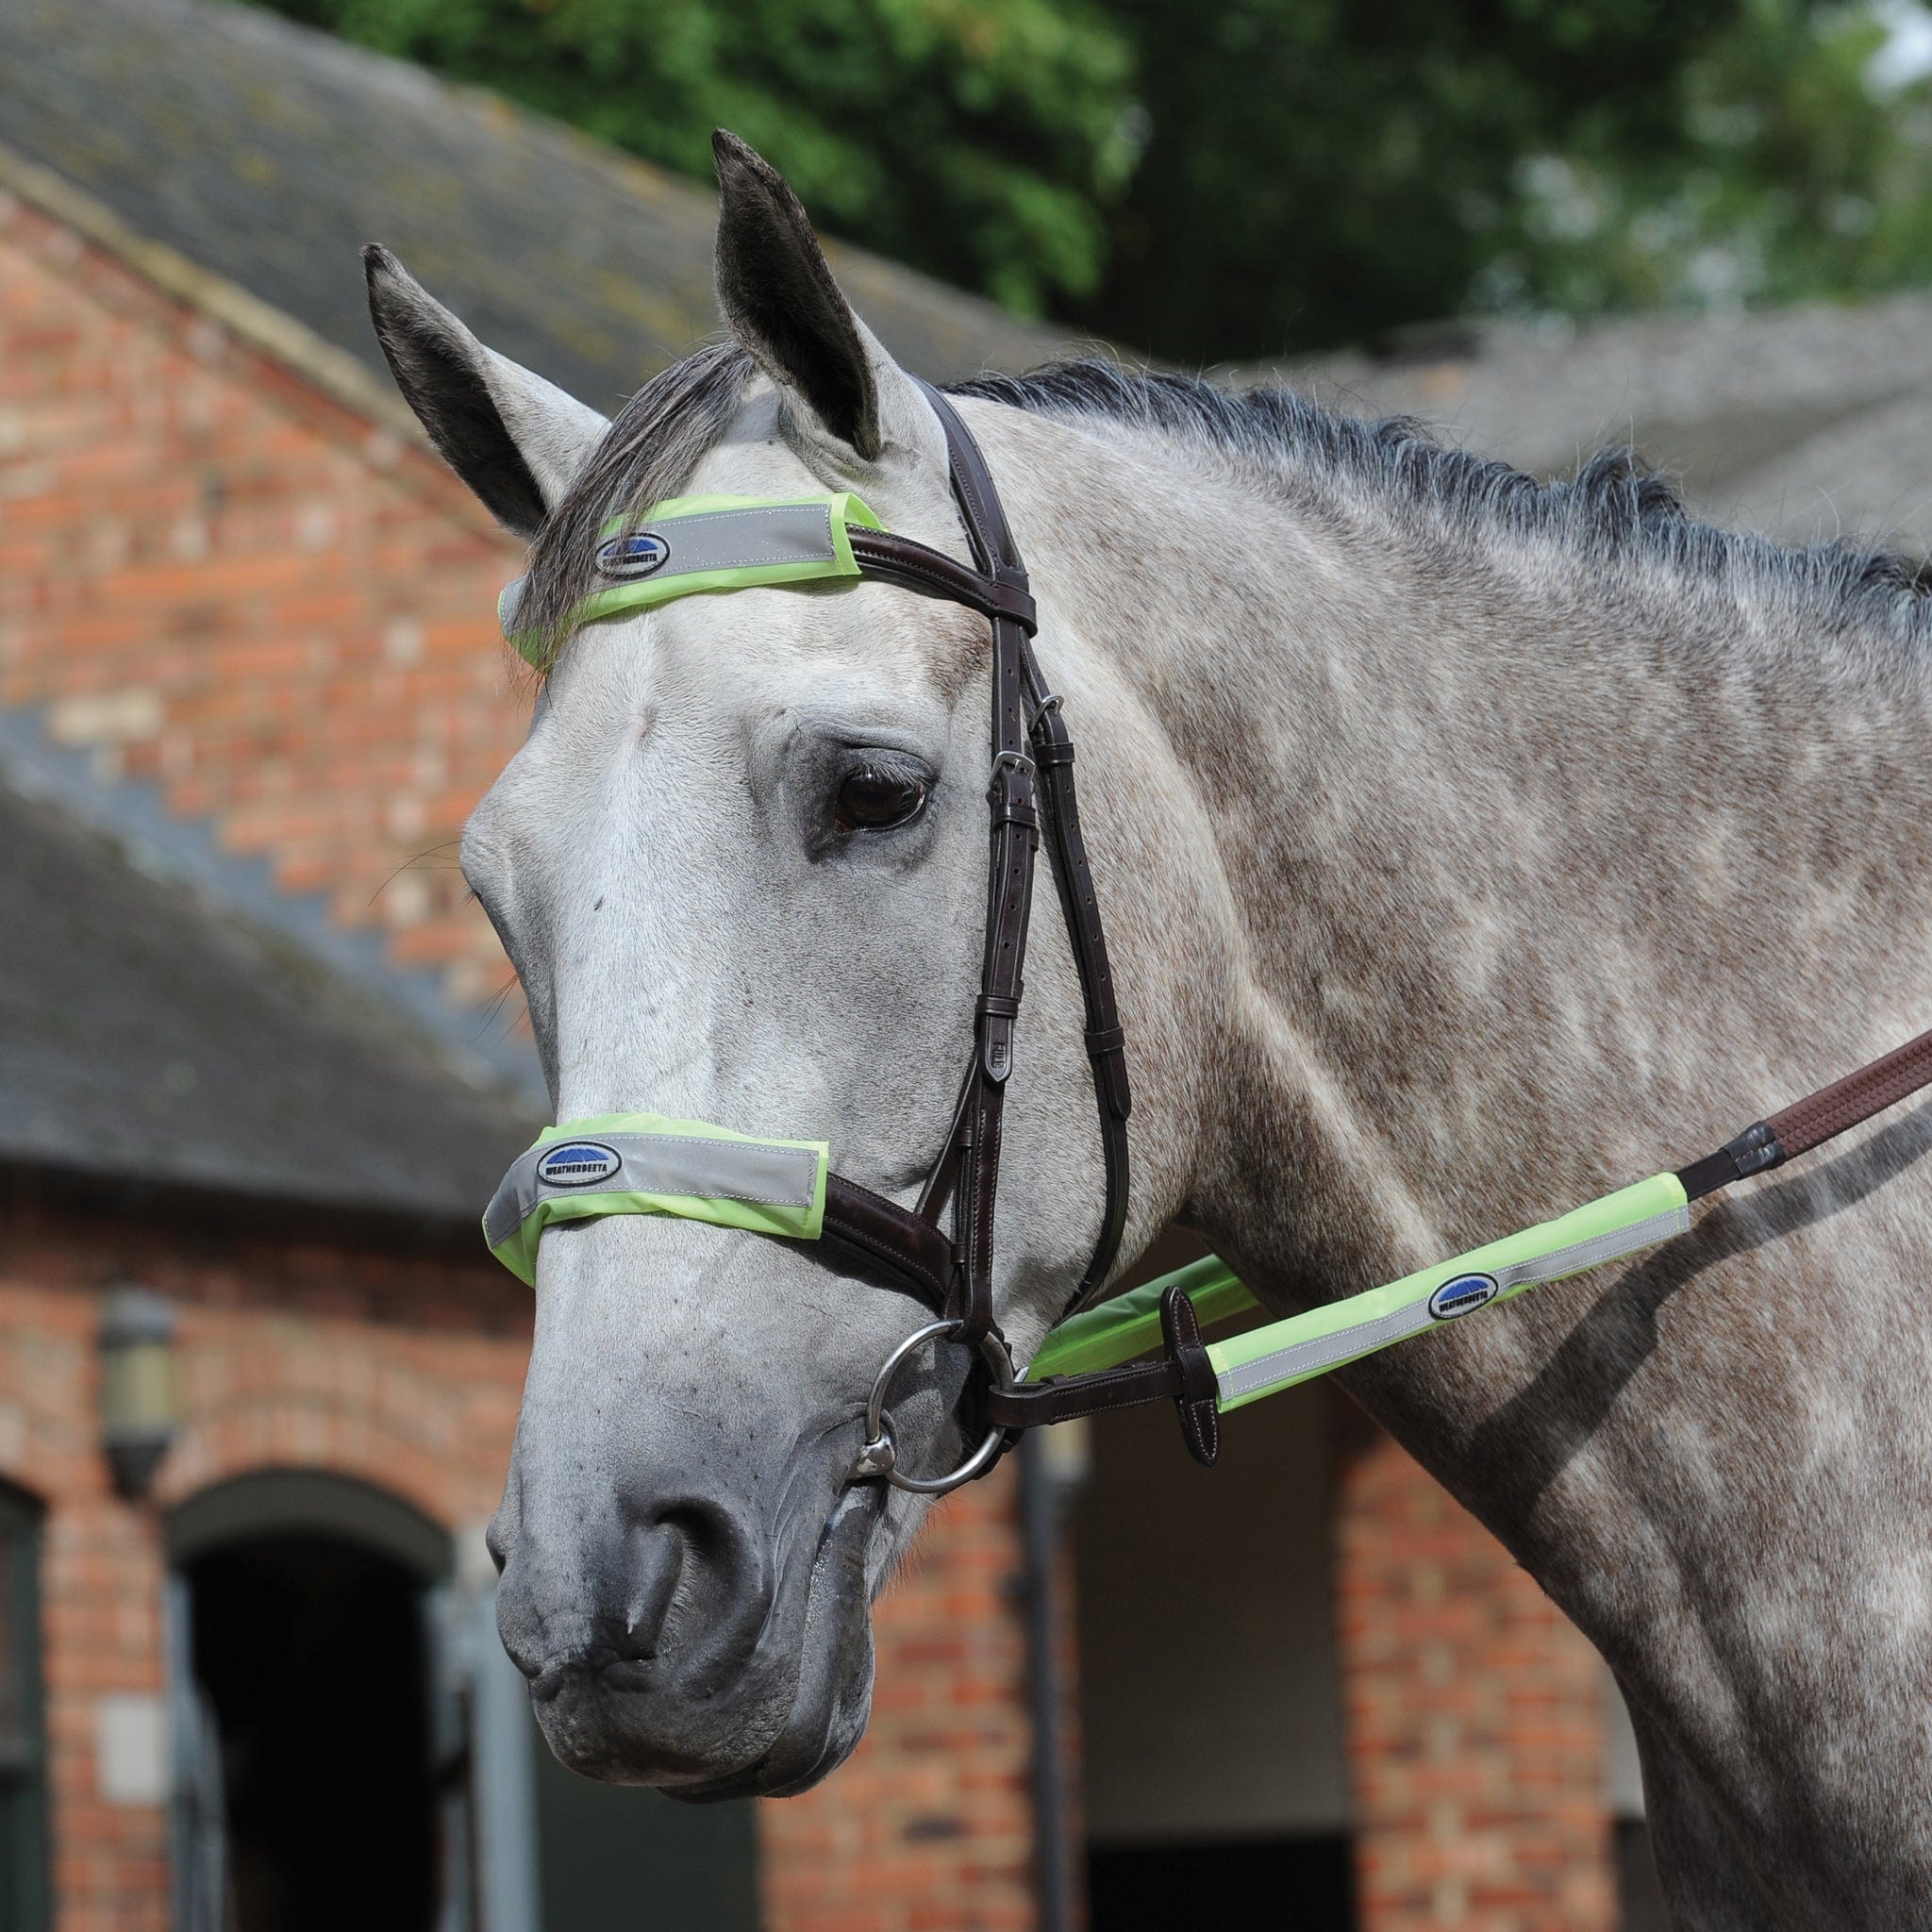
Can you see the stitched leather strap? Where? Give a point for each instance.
(1107, 1040)
(1180, 1328)
(1184, 1375)
(912, 1249)
(1818, 1117)
(1066, 1398)
(916, 566)
(1014, 828)
(1032, 766)
(1875, 1087)
(998, 589)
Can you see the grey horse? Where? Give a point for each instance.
(1468, 847)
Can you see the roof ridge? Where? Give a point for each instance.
(269, 331)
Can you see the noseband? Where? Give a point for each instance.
(642, 1163)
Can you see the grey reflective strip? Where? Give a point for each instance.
(754, 1171)
(1325, 1351)
(1594, 1252)
(1413, 1318)
(737, 539)
(510, 605)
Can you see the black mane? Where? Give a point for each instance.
(1615, 509)
(1614, 512)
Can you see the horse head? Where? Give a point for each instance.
(741, 868)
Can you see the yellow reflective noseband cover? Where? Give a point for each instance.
(643, 1164)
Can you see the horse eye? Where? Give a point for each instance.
(872, 800)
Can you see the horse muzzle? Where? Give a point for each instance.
(679, 1649)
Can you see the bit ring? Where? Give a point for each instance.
(879, 1454)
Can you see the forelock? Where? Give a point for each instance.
(648, 454)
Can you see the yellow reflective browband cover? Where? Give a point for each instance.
(688, 545)
(643, 1164)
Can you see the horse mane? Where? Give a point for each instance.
(655, 442)
(1615, 515)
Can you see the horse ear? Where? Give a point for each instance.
(517, 441)
(776, 288)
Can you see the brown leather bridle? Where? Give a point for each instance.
(948, 1266)
(1031, 789)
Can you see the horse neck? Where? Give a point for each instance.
(1484, 852)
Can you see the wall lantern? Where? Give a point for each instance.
(140, 1405)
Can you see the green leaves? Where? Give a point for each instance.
(980, 140)
(1796, 173)
(1224, 180)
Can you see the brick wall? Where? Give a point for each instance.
(1475, 1721)
(216, 578)
(402, 1374)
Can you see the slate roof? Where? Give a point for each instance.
(145, 1033)
(268, 154)
(1804, 423)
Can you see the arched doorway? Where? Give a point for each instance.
(353, 1750)
(304, 1690)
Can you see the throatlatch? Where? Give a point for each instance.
(644, 1164)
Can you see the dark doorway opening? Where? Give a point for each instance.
(311, 1653)
(1304, 1880)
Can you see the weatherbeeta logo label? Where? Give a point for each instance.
(577, 1163)
(636, 555)
(1463, 1296)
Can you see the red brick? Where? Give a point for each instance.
(1475, 1721)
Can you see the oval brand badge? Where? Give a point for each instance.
(635, 555)
(1463, 1296)
(577, 1163)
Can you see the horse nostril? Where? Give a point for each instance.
(497, 1539)
(679, 1585)
(657, 1557)
(695, 1577)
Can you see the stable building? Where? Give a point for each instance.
(260, 1068)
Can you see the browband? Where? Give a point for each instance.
(687, 544)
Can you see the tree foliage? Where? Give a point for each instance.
(1222, 180)
(1330, 169)
(1798, 170)
(978, 139)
